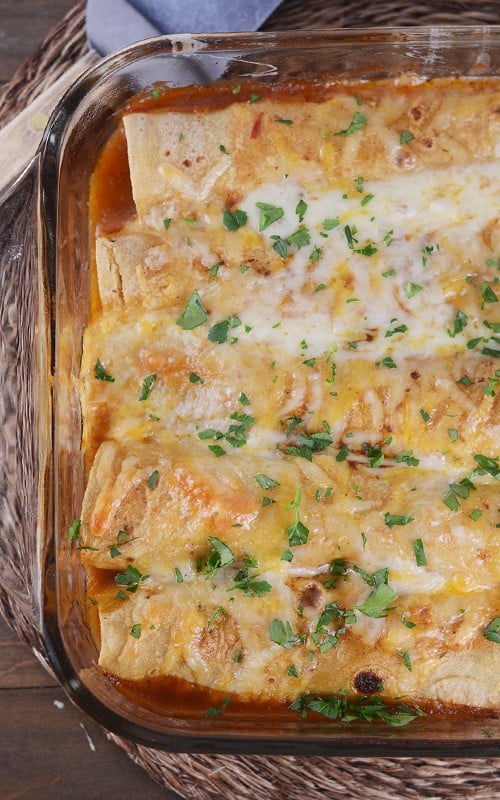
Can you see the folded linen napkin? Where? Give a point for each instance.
(112, 24)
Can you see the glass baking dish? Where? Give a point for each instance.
(78, 129)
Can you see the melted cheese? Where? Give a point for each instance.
(359, 371)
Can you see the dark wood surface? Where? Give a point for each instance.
(48, 749)
(23, 25)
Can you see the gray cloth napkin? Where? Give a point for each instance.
(112, 24)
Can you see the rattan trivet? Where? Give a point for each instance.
(207, 777)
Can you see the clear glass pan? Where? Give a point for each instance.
(79, 127)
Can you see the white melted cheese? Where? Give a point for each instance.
(428, 221)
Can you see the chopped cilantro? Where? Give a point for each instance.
(280, 246)
(249, 584)
(132, 578)
(147, 385)
(217, 450)
(218, 333)
(153, 479)
(357, 122)
(406, 659)
(342, 454)
(268, 215)
(388, 362)
(300, 238)
(418, 549)
(100, 372)
(194, 314)
(407, 457)
(220, 556)
(178, 575)
(234, 220)
(265, 482)
(406, 137)
(329, 224)
(396, 519)
(489, 465)
(459, 324)
(214, 712)
(411, 289)
(300, 209)
(281, 633)
(378, 602)
(492, 631)
(74, 531)
(136, 630)
(374, 454)
(316, 254)
(487, 293)
(393, 331)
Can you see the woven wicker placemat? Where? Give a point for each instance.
(217, 777)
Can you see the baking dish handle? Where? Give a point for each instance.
(20, 398)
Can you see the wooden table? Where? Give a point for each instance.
(48, 749)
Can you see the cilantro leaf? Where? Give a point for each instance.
(300, 209)
(249, 584)
(100, 372)
(132, 578)
(136, 630)
(297, 533)
(459, 324)
(490, 465)
(193, 315)
(406, 137)
(418, 549)
(492, 631)
(147, 385)
(378, 602)
(388, 362)
(74, 534)
(268, 215)
(234, 220)
(281, 633)
(153, 479)
(487, 293)
(265, 482)
(301, 237)
(364, 708)
(412, 289)
(357, 122)
(221, 556)
(218, 333)
(395, 519)
(407, 457)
